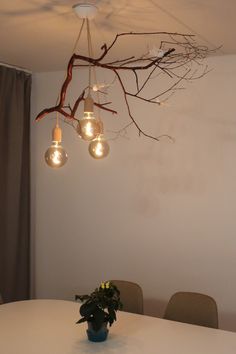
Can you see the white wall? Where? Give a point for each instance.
(160, 214)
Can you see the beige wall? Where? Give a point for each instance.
(160, 214)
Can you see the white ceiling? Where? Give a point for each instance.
(39, 34)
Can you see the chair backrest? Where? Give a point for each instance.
(131, 296)
(193, 308)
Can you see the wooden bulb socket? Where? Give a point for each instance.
(56, 134)
(88, 104)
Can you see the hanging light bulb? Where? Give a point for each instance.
(88, 127)
(99, 148)
(56, 156)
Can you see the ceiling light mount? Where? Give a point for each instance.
(84, 11)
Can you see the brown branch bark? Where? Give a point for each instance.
(181, 55)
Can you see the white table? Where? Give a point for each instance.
(48, 327)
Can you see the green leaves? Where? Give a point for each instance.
(83, 319)
(99, 317)
(87, 309)
(100, 306)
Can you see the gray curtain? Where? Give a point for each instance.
(15, 87)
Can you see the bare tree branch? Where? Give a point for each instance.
(178, 57)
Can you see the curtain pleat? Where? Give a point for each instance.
(15, 88)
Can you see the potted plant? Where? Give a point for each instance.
(99, 309)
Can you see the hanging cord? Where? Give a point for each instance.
(73, 51)
(91, 54)
(79, 35)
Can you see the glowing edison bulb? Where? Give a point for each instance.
(56, 156)
(88, 127)
(99, 148)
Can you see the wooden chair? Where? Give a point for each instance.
(193, 308)
(131, 296)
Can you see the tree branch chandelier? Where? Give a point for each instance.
(176, 56)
